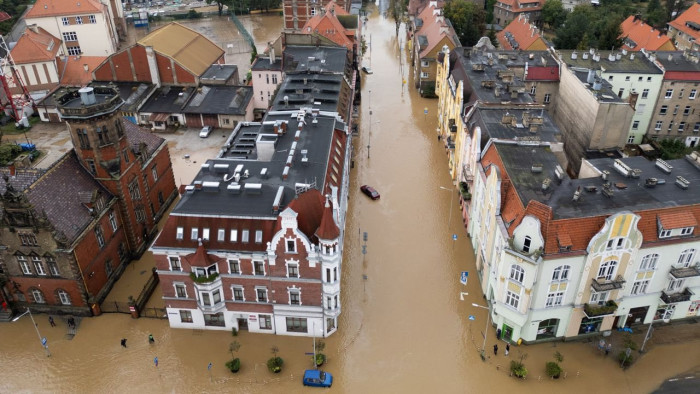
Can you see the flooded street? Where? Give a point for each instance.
(403, 329)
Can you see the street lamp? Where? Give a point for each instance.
(488, 317)
(369, 135)
(646, 337)
(452, 198)
(41, 340)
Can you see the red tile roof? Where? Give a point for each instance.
(542, 74)
(200, 258)
(309, 207)
(675, 220)
(35, 45)
(45, 8)
(692, 14)
(328, 25)
(328, 229)
(435, 30)
(645, 36)
(4, 16)
(77, 71)
(516, 8)
(524, 33)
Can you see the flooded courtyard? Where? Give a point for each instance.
(404, 327)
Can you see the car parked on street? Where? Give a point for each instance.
(370, 192)
(206, 130)
(317, 378)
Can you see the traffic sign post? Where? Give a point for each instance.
(472, 318)
(463, 277)
(44, 341)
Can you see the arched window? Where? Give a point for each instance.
(63, 297)
(517, 273)
(38, 296)
(526, 244)
(607, 270)
(686, 258)
(561, 273)
(649, 262)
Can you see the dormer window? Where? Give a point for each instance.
(526, 244)
(615, 243)
(291, 246)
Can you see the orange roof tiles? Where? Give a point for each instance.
(435, 31)
(200, 258)
(46, 8)
(514, 5)
(35, 45)
(328, 25)
(692, 14)
(644, 36)
(526, 35)
(328, 229)
(670, 221)
(78, 70)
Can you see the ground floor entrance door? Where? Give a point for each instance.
(242, 324)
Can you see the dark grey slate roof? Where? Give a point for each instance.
(137, 135)
(168, 99)
(220, 100)
(605, 94)
(631, 63)
(630, 195)
(301, 90)
(255, 147)
(219, 72)
(677, 61)
(58, 192)
(263, 63)
(315, 59)
(22, 179)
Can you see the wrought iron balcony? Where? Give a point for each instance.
(685, 272)
(676, 297)
(607, 285)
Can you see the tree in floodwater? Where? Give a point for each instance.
(221, 3)
(398, 10)
(467, 20)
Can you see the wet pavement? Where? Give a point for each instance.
(403, 329)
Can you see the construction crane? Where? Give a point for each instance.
(10, 77)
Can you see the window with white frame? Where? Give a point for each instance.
(649, 262)
(180, 233)
(663, 110)
(533, 89)
(22, 260)
(234, 267)
(686, 111)
(675, 285)
(92, 19)
(294, 297)
(687, 230)
(599, 297)
(517, 273)
(547, 98)
(175, 264)
(186, 316)
(669, 93)
(554, 299)
(234, 235)
(561, 273)
(424, 75)
(645, 93)
(63, 297)
(79, 20)
(658, 125)
(205, 271)
(64, 21)
(681, 127)
(261, 294)
(238, 293)
(512, 299)
(693, 93)
(630, 139)
(99, 236)
(291, 246)
(615, 243)
(113, 220)
(194, 235)
(245, 235)
(154, 172)
(526, 244)
(664, 233)
(205, 234)
(258, 236)
(180, 290)
(53, 266)
(258, 268)
(38, 265)
(221, 235)
(265, 322)
(640, 286)
(686, 257)
(627, 78)
(38, 296)
(424, 63)
(69, 36)
(292, 270)
(607, 270)
(635, 125)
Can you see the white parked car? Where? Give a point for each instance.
(206, 130)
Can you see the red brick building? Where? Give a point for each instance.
(68, 233)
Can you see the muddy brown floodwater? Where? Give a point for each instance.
(403, 329)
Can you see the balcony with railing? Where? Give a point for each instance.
(685, 272)
(602, 284)
(594, 310)
(675, 298)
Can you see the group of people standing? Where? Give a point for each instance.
(151, 340)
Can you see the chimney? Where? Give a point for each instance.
(34, 28)
(611, 57)
(591, 76)
(272, 54)
(13, 170)
(152, 66)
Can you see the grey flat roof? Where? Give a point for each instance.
(263, 63)
(490, 121)
(246, 147)
(314, 59)
(632, 63)
(133, 93)
(168, 99)
(317, 90)
(220, 100)
(220, 72)
(605, 94)
(628, 193)
(676, 61)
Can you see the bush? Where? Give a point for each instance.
(553, 369)
(320, 359)
(8, 152)
(234, 331)
(624, 359)
(518, 369)
(234, 365)
(274, 364)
